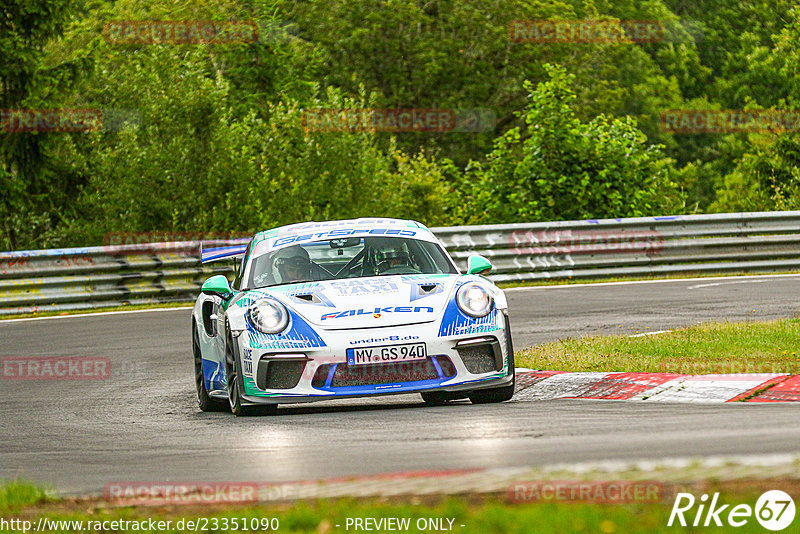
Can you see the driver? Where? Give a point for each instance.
(391, 256)
(291, 264)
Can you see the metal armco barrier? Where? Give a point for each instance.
(93, 277)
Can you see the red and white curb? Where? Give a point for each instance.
(658, 387)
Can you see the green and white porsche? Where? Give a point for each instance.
(349, 308)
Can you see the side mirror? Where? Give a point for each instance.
(478, 265)
(217, 285)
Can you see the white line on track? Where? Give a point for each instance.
(96, 314)
(643, 334)
(762, 277)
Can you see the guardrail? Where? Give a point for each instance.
(92, 277)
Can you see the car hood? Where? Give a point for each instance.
(369, 302)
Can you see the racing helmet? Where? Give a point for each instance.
(291, 264)
(391, 253)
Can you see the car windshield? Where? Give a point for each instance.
(348, 258)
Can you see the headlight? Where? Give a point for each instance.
(268, 316)
(474, 300)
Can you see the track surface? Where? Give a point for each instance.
(142, 424)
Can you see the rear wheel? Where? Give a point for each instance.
(233, 370)
(501, 394)
(206, 403)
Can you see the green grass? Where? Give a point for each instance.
(748, 347)
(478, 514)
(18, 494)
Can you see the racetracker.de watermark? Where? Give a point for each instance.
(149, 493)
(54, 368)
(593, 31)
(398, 120)
(150, 32)
(67, 120)
(586, 31)
(600, 491)
(693, 121)
(136, 243)
(524, 242)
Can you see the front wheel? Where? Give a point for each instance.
(235, 384)
(501, 394)
(204, 400)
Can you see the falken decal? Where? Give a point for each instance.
(377, 312)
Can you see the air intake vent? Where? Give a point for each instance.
(278, 374)
(483, 357)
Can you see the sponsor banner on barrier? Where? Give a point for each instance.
(149, 32)
(54, 368)
(525, 242)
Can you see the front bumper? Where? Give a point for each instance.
(465, 362)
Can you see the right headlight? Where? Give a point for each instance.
(474, 300)
(268, 316)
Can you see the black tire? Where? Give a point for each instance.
(235, 384)
(206, 403)
(504, 393)
(437, 398)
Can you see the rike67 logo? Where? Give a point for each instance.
(774, 510)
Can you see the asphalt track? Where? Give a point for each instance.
(142, 424)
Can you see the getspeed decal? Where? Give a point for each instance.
(279, 242)
(377, 311)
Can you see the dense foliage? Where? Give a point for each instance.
(214, 137)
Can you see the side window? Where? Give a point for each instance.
(239, 270)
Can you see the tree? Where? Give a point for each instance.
(25, 28)
(559, 167)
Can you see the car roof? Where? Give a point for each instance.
(325, 226)
(317, 231)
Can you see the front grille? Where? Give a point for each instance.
(480, 358)
(384, 373)
(278, 374)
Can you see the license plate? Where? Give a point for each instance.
(386, 354)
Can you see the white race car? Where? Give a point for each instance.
(348, 309)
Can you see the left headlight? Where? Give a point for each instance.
(268, 316)
(474, 300)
